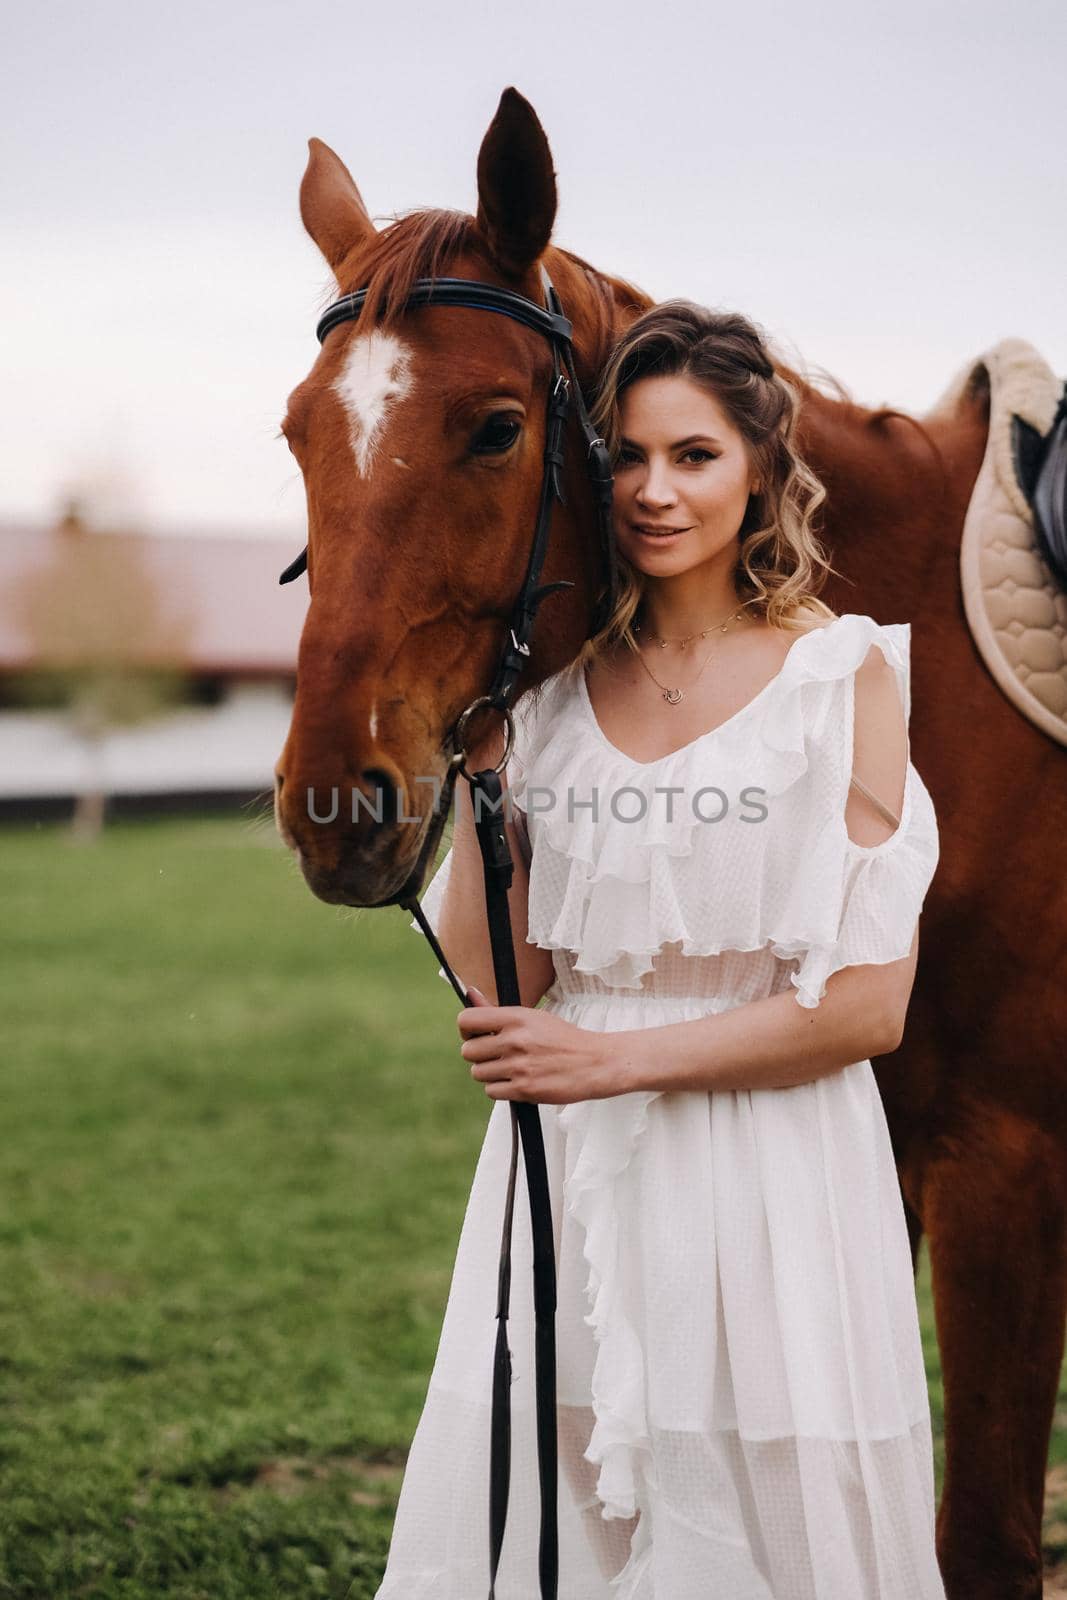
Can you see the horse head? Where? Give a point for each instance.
(420, 433)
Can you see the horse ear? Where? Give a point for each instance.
(331, 206)
(516, 186)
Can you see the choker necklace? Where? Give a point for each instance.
(674, 696)
(663, 643)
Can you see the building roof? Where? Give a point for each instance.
(229, 613)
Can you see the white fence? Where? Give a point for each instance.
(193, 750)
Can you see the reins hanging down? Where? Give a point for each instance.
(487, 795)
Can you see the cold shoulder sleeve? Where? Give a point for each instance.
(882, 887)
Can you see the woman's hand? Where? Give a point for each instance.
(523, 1054)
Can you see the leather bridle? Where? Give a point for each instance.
(549, 321)
(564, 389)
(487, 794)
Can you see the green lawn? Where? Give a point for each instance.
(237, 1143)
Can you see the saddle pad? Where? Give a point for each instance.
(1016, 611)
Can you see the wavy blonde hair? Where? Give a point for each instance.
(781, 566)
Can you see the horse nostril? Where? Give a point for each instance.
(384, 797)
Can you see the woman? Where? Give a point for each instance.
(722, 851)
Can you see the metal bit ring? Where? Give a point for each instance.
(461, 727)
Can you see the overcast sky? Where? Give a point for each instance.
(881, 187)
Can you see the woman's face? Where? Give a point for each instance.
(682, 477)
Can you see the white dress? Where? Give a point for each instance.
(743, 1410)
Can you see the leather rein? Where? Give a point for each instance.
(487, 797)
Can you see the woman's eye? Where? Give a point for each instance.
(626, 458)
(496, 435)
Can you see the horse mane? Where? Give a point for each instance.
(608, 294)
(420, 244)
(417, 245)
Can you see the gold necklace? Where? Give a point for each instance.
(663, 643)
(674, 697)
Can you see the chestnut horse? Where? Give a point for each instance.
(419, 435)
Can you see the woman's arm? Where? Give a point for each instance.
(463, 928)
(765, 1044)
(772, 1043)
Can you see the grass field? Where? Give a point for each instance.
(238, 1139)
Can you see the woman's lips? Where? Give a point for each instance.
(655, 535)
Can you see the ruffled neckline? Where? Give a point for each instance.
(692, 745)
(613, 895)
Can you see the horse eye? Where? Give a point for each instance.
(497, 434)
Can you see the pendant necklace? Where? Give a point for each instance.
(674, 696)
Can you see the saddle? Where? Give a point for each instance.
(1013, 552)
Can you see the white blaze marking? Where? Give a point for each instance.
(374, 720)
(376, 375)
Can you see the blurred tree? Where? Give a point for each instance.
(107, 644)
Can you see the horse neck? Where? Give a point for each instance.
(897, 492)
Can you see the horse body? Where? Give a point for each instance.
(976, 1094)
(417, 544)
